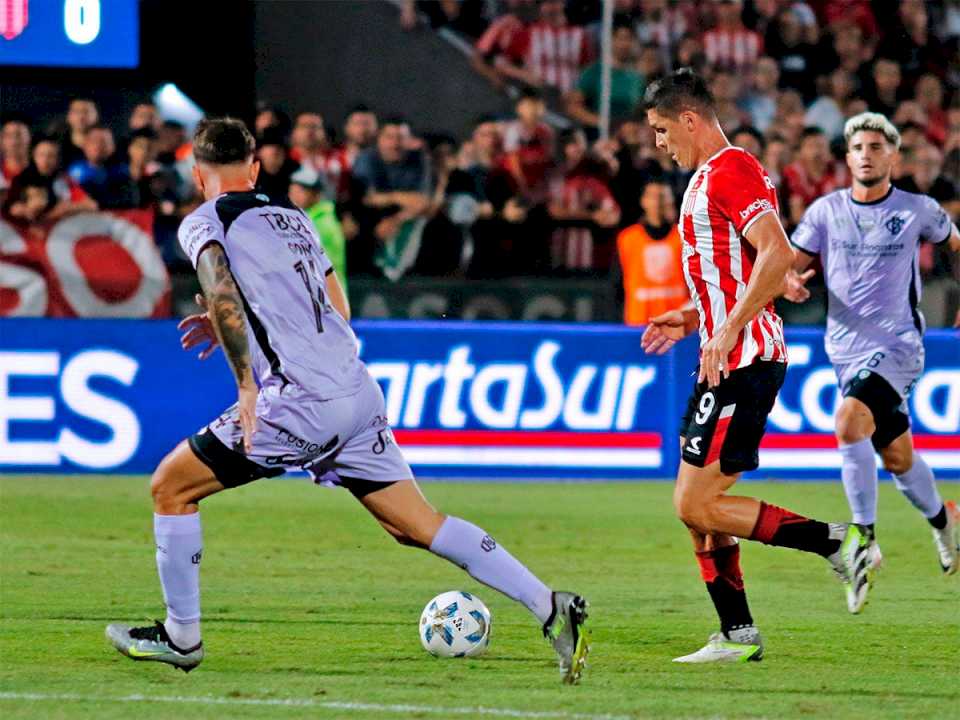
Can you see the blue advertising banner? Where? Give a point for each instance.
(474, 400)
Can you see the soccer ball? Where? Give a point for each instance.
(455, 624)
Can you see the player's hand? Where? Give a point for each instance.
(797, 285)
(247, 409)
(714, 357)
(663, 332)
(198, 330)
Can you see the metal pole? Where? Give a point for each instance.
(606, 60)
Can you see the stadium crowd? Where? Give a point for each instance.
(521, 196)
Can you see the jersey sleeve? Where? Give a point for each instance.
(935, 226)
(741, 190)
(196, 232)
(811, 232)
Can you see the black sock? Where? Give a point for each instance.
(777, 526)
(939, 521)
(731, 604)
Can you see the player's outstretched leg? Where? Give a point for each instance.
(179, 483)
(914, 478)
(702, 504)
(739, 639)
(403, 512)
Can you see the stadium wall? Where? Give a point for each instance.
(470, 400)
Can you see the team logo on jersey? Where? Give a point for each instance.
(758, 204)
(894, 224)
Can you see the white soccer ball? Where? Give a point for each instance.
(455, 624)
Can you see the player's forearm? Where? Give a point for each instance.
(226, 312)
(766, 283)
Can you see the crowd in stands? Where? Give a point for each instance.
(521, 196)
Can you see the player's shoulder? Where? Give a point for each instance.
(900, 196)
(733, 164)
(829, 202)
(202, 220)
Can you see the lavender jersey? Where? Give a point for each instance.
(295, 335)
(869, 253)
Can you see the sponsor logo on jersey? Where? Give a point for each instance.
(758, 204)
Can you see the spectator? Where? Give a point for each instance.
(787, 43)
(310, 191)
(584, 207)
(812, 174)
(789, 120)
(730, 46)
(649, 259)
(776, 157)
(360, 132)
(553, 51)
(528, 147)
(29, 199)
(311, 147)
(276, 167)
(144, 115)
(760, 101)
(270, 116)
(928, 93)
(392, 201)
(104, 180)
(690, 54)
(626, 84)
(463, 16)
(827, 111)
(69, 198)
(750, 139)
(909, 44)
(142, 164)
(650, 63)
(725, 88)
(496, 55)
(82, 114)
(171, 136)
(882, 93)
(14, 149)
(927, 178)
(661, 26)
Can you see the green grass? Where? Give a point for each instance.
(304, 598)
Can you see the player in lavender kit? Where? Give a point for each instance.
(274, 304)
(867, 238)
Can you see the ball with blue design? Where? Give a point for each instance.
(455, 624)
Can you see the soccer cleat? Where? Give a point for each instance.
(566, 632)
(874, 556)
(740, 645)
(153, 643)
(948, 540)
(852, 563)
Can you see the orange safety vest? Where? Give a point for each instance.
(653, 281)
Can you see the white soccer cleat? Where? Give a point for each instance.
(874, 556)
(948, 540)
(741, 645)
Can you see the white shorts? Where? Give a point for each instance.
(344, 438)
(899, 366)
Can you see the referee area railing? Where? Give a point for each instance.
(466, 400)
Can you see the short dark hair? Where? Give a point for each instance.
(530, 93)
(681, 90)
(222, 141)
(811, 131)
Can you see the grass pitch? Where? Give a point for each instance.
(310, 610)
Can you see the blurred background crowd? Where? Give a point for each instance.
(540, 193)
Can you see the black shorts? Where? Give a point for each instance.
(726, 423)
(233, 469)
(886, 405)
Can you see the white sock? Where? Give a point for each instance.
(468, 546)
(179, 547)
(859, 474)
(920, 488)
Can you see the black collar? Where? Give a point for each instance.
(872, 202)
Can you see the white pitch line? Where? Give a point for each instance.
(307, 702)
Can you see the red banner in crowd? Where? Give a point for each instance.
(96, 264)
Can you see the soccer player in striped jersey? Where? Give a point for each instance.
(305, 401)
(868, 239)
(735, 258)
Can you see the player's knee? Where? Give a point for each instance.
(167, 498)
(691, 509)
(896, 460)
(852, 426)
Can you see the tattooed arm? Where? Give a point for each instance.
(225, 310)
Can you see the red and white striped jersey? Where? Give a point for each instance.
(732, 50)
(554, 54)
(725, 196)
